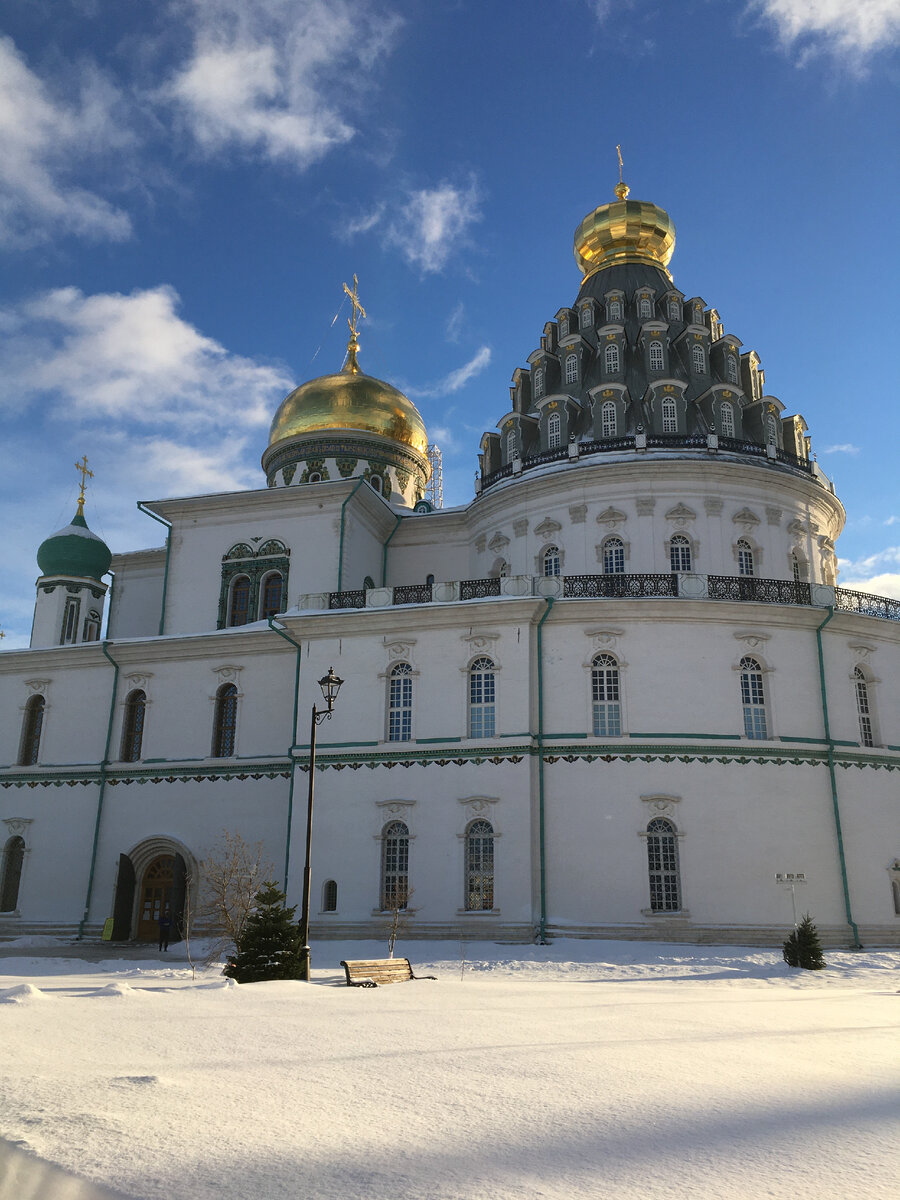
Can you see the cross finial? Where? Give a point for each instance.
(358, 310)
(82, 469)
(622, 189)
(351, 364)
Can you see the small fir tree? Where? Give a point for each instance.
(269, 944)
(803, 948)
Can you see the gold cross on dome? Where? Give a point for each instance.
(82, 468)
(621, 164)
(358, 310)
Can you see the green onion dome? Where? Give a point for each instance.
(74, 551)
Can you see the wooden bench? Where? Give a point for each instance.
(372, 972)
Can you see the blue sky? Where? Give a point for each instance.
(184, 187)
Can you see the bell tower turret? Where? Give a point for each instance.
(70, 592)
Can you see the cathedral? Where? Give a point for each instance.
(618, 693)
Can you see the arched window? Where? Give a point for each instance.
(70, 621)
(613, 556)
(479, 866)
(612, 358)
(551, 561)
(482, 698)
(615, 312)
(225, 721)
(698, 314)
(795, 568)
(400, 701)
(587, 316)
(92, 627)
(538, 381)
(31, 731)
(377, 484)
(674, 310)
(608, 420)
(746, 565)
(11, 874)
(314, 477)
(554, 431)
(329, 896)
(605, 698)
(771, 431)
(368, 583)
(726, 419)
(656, 356)
(394, 866)
(863, 708)
(239, 601)
(731, 368)
(133, 726)
(698, 358)
(564, 327)
(680, 553)
(511, 445)
(645, 308)
(571, 368)
(669, 415)
(753, 699)
(271, 595)
(662, 866)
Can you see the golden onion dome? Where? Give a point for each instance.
(350, 400)
(626, 231)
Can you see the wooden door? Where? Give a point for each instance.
(157, 888)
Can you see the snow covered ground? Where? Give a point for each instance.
(582, 1069)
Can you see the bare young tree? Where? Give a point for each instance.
(399, 914)
(231, 874)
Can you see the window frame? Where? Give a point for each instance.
(726, 407)
(12, 866)
(481, 698)
(606, 695)
(609, 429)
(554, 431)
(612, 355)
(400, 703)
(134, 719)
(663, 867)
(754, 699)
(394, 876)
(225, 721)
(681, 549)
(551, 556)
(668, 415)
(613, 545)
(698, 358)
(33, 717)
(745, 556)
(479, 859)
(865, 708)
(656, 355)
(571, 369)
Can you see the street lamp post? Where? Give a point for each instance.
(330, 685)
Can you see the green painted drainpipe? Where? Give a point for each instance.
(290, 813)
(103, 773)
(542, 929)
(168, 525)
(857, 944)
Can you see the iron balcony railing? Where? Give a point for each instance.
(654, 441)
(478, 589)
(413, 593)
(749, 587)
(615, 586)
(867, 604)
(353, 599)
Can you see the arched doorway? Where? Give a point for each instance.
(152, 877)
(156, 896)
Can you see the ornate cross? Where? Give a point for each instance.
(621, 164)
(358, 309)
(82, 468)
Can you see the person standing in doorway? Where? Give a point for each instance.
(165, 928)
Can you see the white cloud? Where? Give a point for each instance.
(276, 77)
(456, 379)
(892, 520)
(869, 574)
(364, 222)
(132, 359)
(43, 139)
(455, 322)
(852, 30)
(840, 448)
(433, 223)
